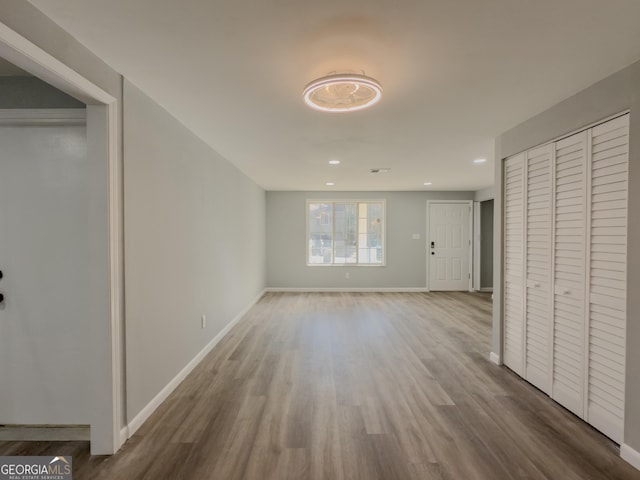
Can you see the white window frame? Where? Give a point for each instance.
(353, 201)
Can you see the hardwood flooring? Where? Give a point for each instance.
(355, 386)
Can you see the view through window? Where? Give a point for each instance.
(344, 232)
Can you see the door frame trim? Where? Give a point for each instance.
(35, 117)
(102, 137)
(450, 202)
(476, 235)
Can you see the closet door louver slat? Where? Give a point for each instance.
(607, 293)
(514, 263)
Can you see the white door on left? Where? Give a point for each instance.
(449, 248)
(44, 258)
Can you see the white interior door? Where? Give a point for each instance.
(570, 272)
(44, 257)
(538, 224)
(449, 240)
(566, 236)
(514, 318)
(605, 402)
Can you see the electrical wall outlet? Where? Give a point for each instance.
(346, 275)
(203, 321)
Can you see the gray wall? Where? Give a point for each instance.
(31, 92)
(486, 244)
(194, 245)
(610, 96)
(406, 257)
(484, 194)
(180, 198)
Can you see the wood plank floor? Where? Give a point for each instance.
(355, 386)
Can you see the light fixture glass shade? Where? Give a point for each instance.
(342, 93)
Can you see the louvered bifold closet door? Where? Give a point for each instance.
(570, 272)
(607, 289)
(514, 262)
(538, 268)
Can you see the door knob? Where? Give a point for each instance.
(1, 297)
(0, 273)
(433, 253)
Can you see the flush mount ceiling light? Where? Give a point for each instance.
(345, 92)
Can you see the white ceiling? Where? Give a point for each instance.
(455, 74)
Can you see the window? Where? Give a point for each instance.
(345, 232)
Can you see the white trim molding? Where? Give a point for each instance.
(477, 243)
(495, 358)
(151, 407)
(124, 434)
(26, 55)
(34, 117)
(630, 455)
(348, 289)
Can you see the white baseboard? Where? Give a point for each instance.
(630, 455)
(347, 289)
(146, 412)
(495, 358)
(124, 435)
(487, 289)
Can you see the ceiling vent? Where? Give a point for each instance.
(379, 170)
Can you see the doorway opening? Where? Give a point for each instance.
(486, 246)
(102, 229)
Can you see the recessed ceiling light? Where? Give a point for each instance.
(330, 184)
(344, 92)
(334, 162)
(426, 184)
(480, 160)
